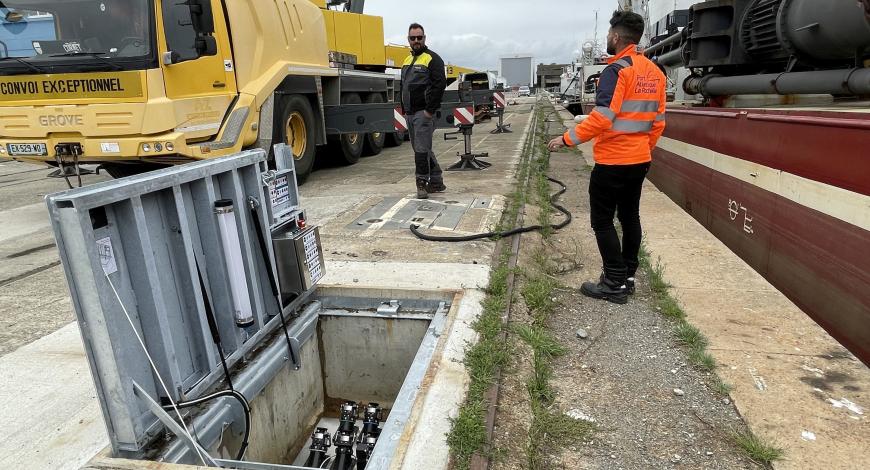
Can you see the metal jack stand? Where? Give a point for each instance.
(66, 168)
(501, 128)
(467, 161)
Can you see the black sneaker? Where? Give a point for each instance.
(605, 289)
(421, 190)
(436, 187)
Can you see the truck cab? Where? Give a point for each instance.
(87, 74)
(139, 84)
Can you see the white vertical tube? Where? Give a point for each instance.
(233, 258)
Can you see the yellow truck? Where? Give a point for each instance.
(139, 84)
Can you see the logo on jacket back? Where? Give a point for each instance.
(648, 84)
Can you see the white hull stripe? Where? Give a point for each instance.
(842, 204)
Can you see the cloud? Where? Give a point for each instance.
(476, 33)
(482, 52)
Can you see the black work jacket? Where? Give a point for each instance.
(423, 82)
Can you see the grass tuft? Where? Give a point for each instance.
(540, 340)
(669, 307)
(690, 336)
(687, 335)
(756, 448)
(468, 434)
(538, 384)
(541, 260)
(538, 295)
(702, 360)
(721, 387)
(657, 281)
(552, 430)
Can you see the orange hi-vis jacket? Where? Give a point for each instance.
(629, 114)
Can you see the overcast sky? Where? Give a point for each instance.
(475, 33)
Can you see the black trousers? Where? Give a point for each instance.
(615, 190)
(421, 129)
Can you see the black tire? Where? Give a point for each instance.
(295, 127)
(394, 139)
(121, 170)
(347, 148)
(373, 142)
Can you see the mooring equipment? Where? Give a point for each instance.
(464, 120)
(500, 102)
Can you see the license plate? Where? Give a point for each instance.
(26, 149)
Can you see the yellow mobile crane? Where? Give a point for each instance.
(139, 84)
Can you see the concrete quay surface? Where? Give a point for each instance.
(793, 384)
(50, 410)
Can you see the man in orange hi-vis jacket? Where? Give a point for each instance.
(627, 121)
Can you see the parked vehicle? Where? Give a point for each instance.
(143, 84)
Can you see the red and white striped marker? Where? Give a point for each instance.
(463, 116)
(500, 101)
(399, 121)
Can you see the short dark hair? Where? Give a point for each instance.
(416, 26)
(627, 24)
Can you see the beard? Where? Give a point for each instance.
(611, 48)
(417, 47)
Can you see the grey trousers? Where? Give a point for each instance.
(421, 129)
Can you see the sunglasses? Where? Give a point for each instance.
(416, 38)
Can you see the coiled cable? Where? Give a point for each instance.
(507, 233)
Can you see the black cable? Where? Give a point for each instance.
(224, 393)
(273, 283)
(212, 326)
(531, 228)
(216, 337)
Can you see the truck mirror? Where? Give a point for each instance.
(205, 45)
(201, 16)
(171, 57)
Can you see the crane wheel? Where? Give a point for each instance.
(347, 148)
(374, 142)
(297, 131)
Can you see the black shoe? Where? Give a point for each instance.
(629, 284)
(421, 190)
(436, 187)
(605, 289)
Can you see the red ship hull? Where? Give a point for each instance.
(788, 192)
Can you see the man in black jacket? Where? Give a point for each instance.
(423, 83)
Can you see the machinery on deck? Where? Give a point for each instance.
(738, 47)
(579, 82)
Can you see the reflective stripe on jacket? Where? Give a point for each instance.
(629, 114)
(423, 82)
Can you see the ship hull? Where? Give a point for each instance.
(788, 192)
